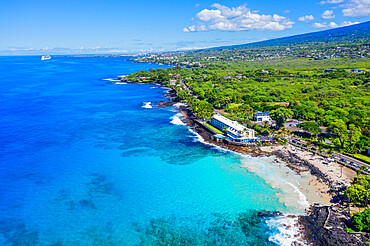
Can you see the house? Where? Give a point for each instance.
(234, 131)
(173, 82)
(266, 139)
(329, 70)
(356, 71)
(228, 77)
(265, 72)
(262, 116)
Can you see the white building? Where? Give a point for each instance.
(262, 116)
(234, 130)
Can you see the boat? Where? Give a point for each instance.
(45, 57)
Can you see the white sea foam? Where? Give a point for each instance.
(176, 119)
(120, 83)
(294, 194)
(147, 105)
(285, 231)
(276, 175)
(302, 198)
(198, 138)
(113, 80)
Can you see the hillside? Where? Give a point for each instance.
(356, 34)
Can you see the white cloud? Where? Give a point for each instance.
(333, 24)
(356, 8)
(331, 1)
(349, 23)
(306, 18)
(286, 11)
(319, 25)
(328, 14)
(237, 19)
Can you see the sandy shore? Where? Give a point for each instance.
(320, 181)
(314, 187)
(338, 175)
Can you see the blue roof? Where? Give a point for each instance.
(262, 114)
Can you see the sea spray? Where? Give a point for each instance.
(147, 105)
(284, 231)
(176, 119)
(275, 174)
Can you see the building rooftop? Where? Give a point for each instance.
(230, 123)
(262, 113)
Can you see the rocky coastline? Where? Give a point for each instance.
(322, 225)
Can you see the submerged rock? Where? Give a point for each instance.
(245, 229)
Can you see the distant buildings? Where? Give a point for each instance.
(233, 129)
(261, 116)
(329, 70)
(173, 82)
(356, 71)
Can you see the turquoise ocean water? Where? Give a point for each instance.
(82, 162)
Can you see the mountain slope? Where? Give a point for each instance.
(359, 33)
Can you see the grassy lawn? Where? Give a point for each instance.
(362, 157)
(234, 105)
(213, 128)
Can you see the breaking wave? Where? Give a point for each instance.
(147, 105)
(176, 119)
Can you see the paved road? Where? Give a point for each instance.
(185, 86)
(351, 159)
(350, 162)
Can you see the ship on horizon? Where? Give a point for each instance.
(45, 57)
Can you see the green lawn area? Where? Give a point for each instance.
(234, 105)
(213, 128)
(362, 157)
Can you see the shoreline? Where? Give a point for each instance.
(324, 182)
(312, 229)
(321, 224)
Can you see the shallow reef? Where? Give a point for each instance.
(246, 228)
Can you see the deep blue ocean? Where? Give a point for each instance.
(82, 162)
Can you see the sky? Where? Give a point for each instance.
(120, 26)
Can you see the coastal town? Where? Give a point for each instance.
(185, 123)
(304, 143)
(200, 58)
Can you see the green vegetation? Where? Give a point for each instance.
(321, 79)
(362, 157)
(213, 128)
(339, 100)
(307, 77)
(311, 127)
(358, 194)
(361, 221)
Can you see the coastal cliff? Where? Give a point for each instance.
(325, 225)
